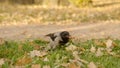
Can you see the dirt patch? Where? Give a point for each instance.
(82, 31)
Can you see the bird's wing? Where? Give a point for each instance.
(56, 41)
(52, 36)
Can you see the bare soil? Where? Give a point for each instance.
(80, 31)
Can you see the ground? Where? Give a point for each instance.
(31, 23)
(80, 31)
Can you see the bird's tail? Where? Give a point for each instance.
(50, 34)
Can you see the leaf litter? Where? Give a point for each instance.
(92, 65)
(99, 52)
(23, 60)
(75, 62)
(109, 44)
(37, 53)
(36, 66)
(46, 66)
(2, 61)
(71, 48)
(93, 49)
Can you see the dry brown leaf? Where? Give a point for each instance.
(91, 65)
(114, 44)
(118, 56)
(2, 61)
(71, 48)
(108, 49)
(113, 54)
(100, 43)
(43, 53)
(109, 46)
(46, 66)
(37, 47)
(76, 62)
(109, 43)
(99, 52)
(37, 53)
(64, 64)
(93, 49)
(2, 41)
(76, 56)
(24, 60)
(36, 66)
(18, 67)
(46, 59)
(73, 65)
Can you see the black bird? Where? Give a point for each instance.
(60, 38)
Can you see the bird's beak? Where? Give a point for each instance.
(70, 37)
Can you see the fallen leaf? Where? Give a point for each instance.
(99, 52)
(36, 66)
(112, 53)
(114, 44)
(75, 63)
(2, 41)
(46, 66)
(75, 54)
(2, 61)
(93, 49)
(99, 43)
(64, 64)
(71, 48)
(18, 67)
(72, 65)
(34, 53)
(43, 53)
(109, 43)
(37, 47)
(108, 49)
(46, 59)
(91, 65)
(37, 53)
(81, 49)
(23, 60)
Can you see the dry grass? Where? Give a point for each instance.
(31, 14)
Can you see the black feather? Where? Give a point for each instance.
(52, 36)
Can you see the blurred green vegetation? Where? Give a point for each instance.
(15, 51)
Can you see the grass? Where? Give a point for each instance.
(13, 53)
(17, 53)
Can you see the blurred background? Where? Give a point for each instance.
(58, 11)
